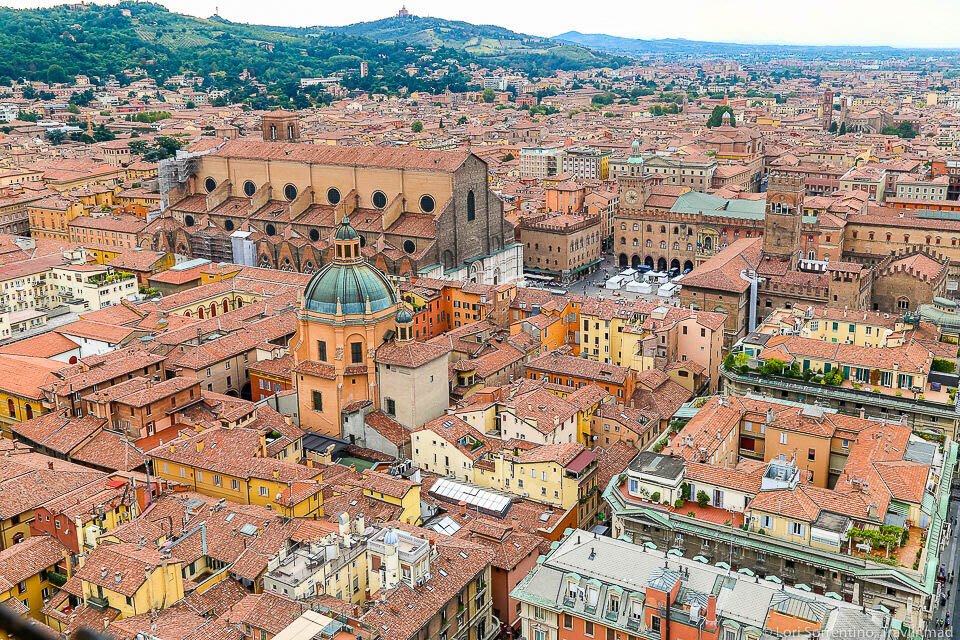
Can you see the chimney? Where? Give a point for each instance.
(117, 577)
(199, 446)
(710, 615)
(103, 572)
(50, 465)
(463, 508)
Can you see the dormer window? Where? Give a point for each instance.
(614, 605)
(593, 596)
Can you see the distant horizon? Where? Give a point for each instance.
(928, 27)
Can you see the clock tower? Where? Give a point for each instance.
(634, 191)
(783, 217)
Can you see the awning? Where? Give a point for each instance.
(675, 552)
(834, 595)
(701, 559)
(802, 587)
(723, 565)
(773, 579)
(649, 545)
(747, 572)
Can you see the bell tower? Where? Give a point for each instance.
(783, 216)
(280, 126)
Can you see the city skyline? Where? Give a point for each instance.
(822, 23)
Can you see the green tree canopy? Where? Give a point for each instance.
(716, 116)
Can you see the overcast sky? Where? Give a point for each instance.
(924, 23)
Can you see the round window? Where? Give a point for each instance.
(228, 225)
(209, 184)
(333, 195)
(427, 204)
(189, 221)
(271, 230)
(409, 246)
(290, 192)
(314, 235)
(379, 199)
(249, 188)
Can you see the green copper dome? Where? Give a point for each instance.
(404, 316)
(352, 285)
(345, 231)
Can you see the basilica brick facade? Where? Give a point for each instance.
(275, 204)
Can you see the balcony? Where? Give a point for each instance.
(906, 402)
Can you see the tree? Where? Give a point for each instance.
(56, 74)
(191, 104)
(164, 147)
(416, 126)
(138, 147)
(702, 498)
(462, 120)
(716, 116)
(833, 127)
(903, 130)
(489, 95)
(843, 128)
(55, 136)
(82, 98)
(72, 108)
(508, 157)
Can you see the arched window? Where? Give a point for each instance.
(649, 228)
(903, 303)
(676, 246)
(213, 309)
(228, 224)
(29, 412)
(239, 302)
(200, 312)
(226, 305)
(471, 205)
(11, 408)
(649, 243)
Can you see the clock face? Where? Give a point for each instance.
(631, 197)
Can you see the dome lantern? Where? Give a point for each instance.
(346, 244)
(404, 325)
